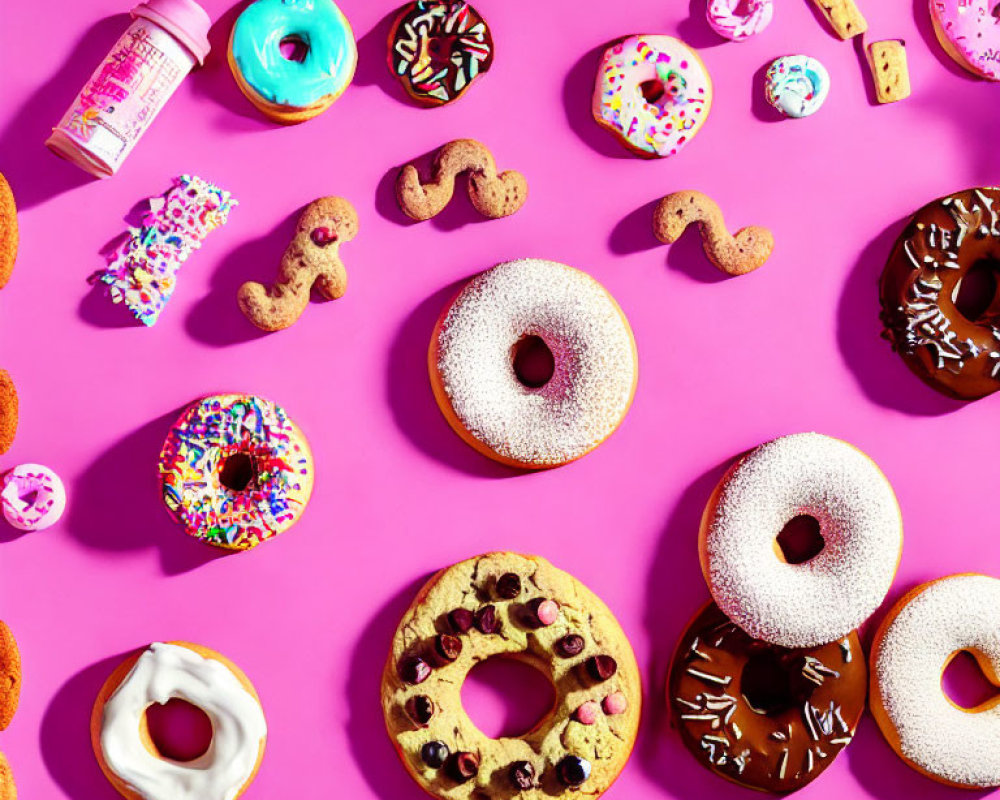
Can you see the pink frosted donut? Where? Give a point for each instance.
(725, 19)
(33, 497)
(969, 31)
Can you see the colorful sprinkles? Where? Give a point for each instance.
(438, 48)
(142, 271)
(196, 452)
(653, 92)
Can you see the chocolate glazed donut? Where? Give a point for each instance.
(956, 354)
(764, 716)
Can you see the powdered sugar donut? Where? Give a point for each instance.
(33, 497)
(653, 92)
(796, 85)
(726, 20)
(913, 645)
(969, 31)
(829, 595)
(472, 363)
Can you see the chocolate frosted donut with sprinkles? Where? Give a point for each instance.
(819, 595)
(511, 606)
(437, 48)
(760, 715)
(940, 294)
(235, 471)
(559, 414)
(925, 630)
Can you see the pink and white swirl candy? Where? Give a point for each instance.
(739, 19)
(32, 497)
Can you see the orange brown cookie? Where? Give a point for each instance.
(8, 231)
(311, 259)
(734, 254)
(493, 194)
(505, 605)
(8, 411)
(8, 791)
(10, 676)
(761, 715)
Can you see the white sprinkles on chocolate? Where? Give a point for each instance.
(827, 597)
(961, 612)
(591, 343)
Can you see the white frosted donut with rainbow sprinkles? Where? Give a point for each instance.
(924, 631)
(32, 497)
(653, 92)
(969, 31)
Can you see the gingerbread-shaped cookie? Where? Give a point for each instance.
(8, 231)
(521, 607)
(8, 411)
(493, 194)
(312, 259)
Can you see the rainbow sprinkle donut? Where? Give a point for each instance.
(796, 85)
(235, 471)
(653, 93)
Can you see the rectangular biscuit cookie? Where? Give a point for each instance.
(844, 17)
(887, 62)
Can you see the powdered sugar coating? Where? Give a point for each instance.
(960, 612)
(809, 604)
(591, 342)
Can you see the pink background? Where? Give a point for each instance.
(725, 364)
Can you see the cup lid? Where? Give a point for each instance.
(185, 19)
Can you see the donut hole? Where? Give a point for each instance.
(179, 731)
(507, 697)
(28, 499)
(765, 685)
(964, 683)
(653, 92)
(237, 472)
(800, 540)
(293, 48)
(439, 50)
(976, 292)
(533, 361)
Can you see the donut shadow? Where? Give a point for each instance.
(882, 375)
(578, 88)
(694, 29)
(35, 173)
(370, 745)
(64, 736)
(216, 319)
(675, 590)
(408, 390)
(762, 109)
(116, 504)
(373, 65)
(633, 233)
(215, 80)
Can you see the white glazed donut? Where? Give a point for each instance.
(914, 644)
(828, 596)
(33, 497)
(726, 18)
(206, 680)
(472, 371)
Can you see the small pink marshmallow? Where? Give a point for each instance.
(587, 713)
(614, 704)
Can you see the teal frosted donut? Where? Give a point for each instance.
(319, 39)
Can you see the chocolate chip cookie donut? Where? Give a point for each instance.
(764, 716)
(521, 607)
(920, 289)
